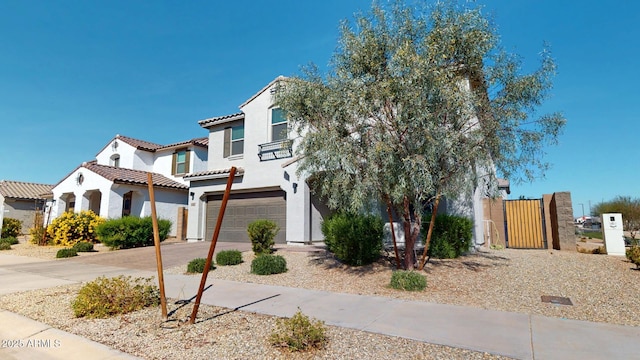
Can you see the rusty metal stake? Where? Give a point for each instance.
(156, 242)
(212, 247)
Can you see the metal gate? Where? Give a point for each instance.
(524, 224)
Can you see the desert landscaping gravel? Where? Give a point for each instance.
(602, 289)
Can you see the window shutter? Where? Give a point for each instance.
(186, 160)
(227, 143)
(173, 163)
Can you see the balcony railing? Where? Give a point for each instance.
(275, 150)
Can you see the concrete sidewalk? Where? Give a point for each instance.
(515, 335)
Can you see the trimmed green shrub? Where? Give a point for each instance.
(408, 280)
(5, 246)
(65, 253)
(39, 235)
(299, 333)
(71, 227)
(268, 264)
(197, 265)
(11, 227)
(262, 233)
(104, 297)
(83, 246)
(11, 240)
(633, 254)
(130, 232)
(355, 239)
(452, 236)
(228, 257)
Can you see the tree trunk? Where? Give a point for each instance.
(423, 261)
(409, 239)
(393, 234)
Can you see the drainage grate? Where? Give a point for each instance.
(556, 300)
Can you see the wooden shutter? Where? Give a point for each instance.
(186, 161)
(173, 163)
(227, 143)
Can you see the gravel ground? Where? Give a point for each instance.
(602, 288)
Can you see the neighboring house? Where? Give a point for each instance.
(258, 142)
(22, 200)
(115, 183)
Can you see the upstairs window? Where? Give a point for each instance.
(279, 126)
(234, 141)
(115, 160)
(180, 164)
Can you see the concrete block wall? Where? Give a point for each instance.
(565, 229)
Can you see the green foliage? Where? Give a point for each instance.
(104, 297)
(633, 254)
(11, 227)
(262, 233)
(130, 232)
(593, 234)
(5, 246)
(228, 257)
(66, 253)
(11, 240)
(83, 246)
(408, 280)
(71, 227)
(39, 235)
(626, 205)
(355, 239)
(268, 264)
(299, 333)
(197, 266)
(452, 236)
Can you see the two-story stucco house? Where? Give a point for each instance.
(259, 142)
(115, 184)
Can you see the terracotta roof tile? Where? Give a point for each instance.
(139, 144)
(202, 142)
(24, 190)
(207, 173)
(132, 177)
(220, 119)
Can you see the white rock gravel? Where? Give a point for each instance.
(602, 288)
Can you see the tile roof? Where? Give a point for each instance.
(132, 177)
(220, 119)
(24, 190)
(139, 144)
(213, 173)
(202, 142)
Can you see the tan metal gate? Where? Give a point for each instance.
(524, 224)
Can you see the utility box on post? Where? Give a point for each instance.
(613, 234)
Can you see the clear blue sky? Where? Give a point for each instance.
(73, 74)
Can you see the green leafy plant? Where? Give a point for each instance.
(452, 236)
(104, 297)
(11, 240)
(633, 254)
(71, 227)
(262, 233)
(39, 235)
(408, 280)
(66, 253)
(5, 246)
(355, 239)
(197, 266)
(299, 333)
(228, 257)
(83, 246)
(130, 232)
(11, 227)
(268, 264)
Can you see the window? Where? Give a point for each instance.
(278, 125)
(115, 160)
(233, 141)
(126, 203)
(180, 162)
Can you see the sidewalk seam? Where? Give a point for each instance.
(533, 354)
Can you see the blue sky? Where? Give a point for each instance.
(73, 74)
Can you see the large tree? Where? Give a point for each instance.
(418, 105)
(627, 206)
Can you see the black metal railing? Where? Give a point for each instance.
(279, 149)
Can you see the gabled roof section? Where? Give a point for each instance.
(132, 177)
(221, 119)
(274, 81)
(139, 144)
(24, 190)
(213, 174)
(201, 142)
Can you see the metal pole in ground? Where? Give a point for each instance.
(212, 247)
(156, 242)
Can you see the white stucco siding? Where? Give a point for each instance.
(124, 151)
(70, 185)
(199, 161)
(142, 160)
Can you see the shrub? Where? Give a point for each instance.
(5, 246)
(355, 239)
(452, 236)
(83, 246)
(197, 265)
(104, 297)
(11, 240)
(229, 257)
(39, 235)
(65, 253)
(408, 280)
(71, 227)
(268, 264)
(633, 254)
(262, 233)
(299, 333)
(130, 232)
(11, 227)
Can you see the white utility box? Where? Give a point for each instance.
(613, 234)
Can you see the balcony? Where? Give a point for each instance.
(275, 150)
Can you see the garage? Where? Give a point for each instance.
(244, 208)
